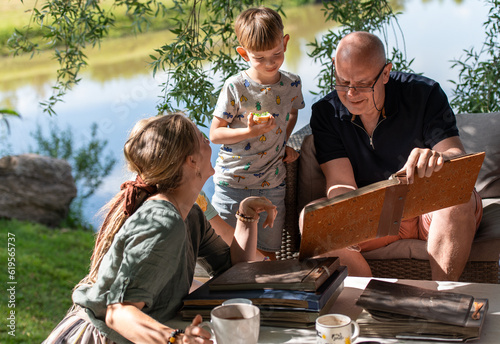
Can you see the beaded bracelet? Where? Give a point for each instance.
(174, 333)
(244, 218)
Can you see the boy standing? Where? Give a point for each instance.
(252, 156)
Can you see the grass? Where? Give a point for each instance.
(48, 264)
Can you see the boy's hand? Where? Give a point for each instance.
(290, 154)
(259, 129)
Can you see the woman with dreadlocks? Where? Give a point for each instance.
(150, 240)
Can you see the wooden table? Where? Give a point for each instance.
(353, 287)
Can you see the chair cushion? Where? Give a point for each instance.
(490, 224)
(401, 249)
(479, 132)
(311, 183)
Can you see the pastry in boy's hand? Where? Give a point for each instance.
(260, 118)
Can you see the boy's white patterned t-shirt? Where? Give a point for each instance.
(257, 162)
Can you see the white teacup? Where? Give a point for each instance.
(336, 329)
(237, 300)
(235, 323)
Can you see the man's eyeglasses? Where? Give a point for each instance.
(361, 89)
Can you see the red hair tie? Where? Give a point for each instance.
(131, 193)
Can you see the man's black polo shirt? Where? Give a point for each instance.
(417, 114)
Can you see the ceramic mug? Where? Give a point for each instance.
(336, 329)
(237, 300)
(236, 323)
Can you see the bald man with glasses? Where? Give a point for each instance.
(376, 122)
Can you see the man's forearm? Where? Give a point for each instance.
(336, 190)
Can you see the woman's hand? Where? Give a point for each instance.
(252, 206)
(128, 319)
(244, 245)
(195, 334)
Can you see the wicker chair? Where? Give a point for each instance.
(483, 264)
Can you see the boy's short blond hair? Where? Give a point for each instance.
(259, 29)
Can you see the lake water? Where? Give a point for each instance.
(435, 31)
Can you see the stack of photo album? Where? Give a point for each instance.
(289, 293)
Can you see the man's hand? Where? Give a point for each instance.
(425, 161)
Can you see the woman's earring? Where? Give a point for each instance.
(198, 173)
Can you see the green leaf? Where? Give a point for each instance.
(9, 112)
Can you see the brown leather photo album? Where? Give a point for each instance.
(376, 210)
(291, 274)
(397, 310)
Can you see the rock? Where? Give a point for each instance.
(35, 188)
